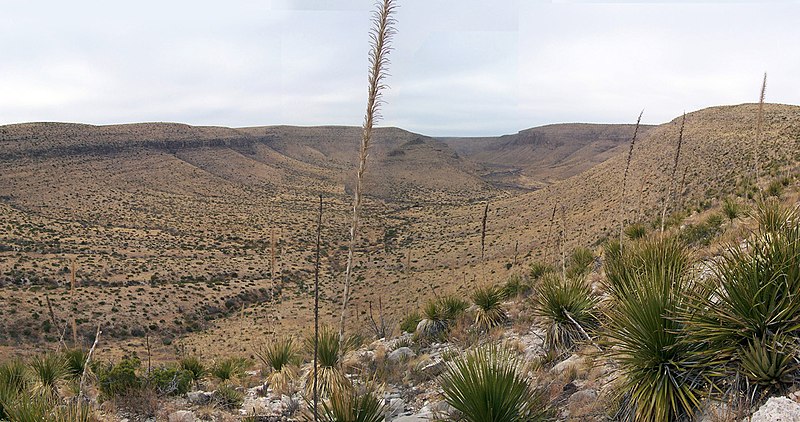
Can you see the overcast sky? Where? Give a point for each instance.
(459, 67)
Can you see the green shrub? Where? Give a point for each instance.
(636, 231)
(580, 263)
(649, 283)
(489, 311)
(48, 372)
(194, 367)
(228, 397)
(348, 405)
(170, 380)
(282, 358)
(75, 360)
(228, 369)
(330, 377)
(702, 233)
(747, 316)
(567, 306)
(539, 269)
(410, 322)
(118, 379)
(488, 384)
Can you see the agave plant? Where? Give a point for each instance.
(769, 362)
(282, 358)
(350, 405)
(649, 285)
(569, 309)
(488, 384)
(330, 376)
(489, 311)
(48, 372)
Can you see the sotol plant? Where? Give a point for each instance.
(282, 359)
(488, 384)
(569, 310)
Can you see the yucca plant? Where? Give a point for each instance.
(488, 384)
(13, 382)
(773, 216)
(282, 359)
(452, 307)
(635, 231)
(649, 288)
(731, 209)
(489, 312)
(569, 309)
(745, 314)
(516, 286)
(433, 322)
(330, 376)
(539, 269)
(49, 371)
(75, 360)
(194, 367)
(228, 369)
(349, 405)
(580, 262)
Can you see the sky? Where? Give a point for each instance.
(458, 68)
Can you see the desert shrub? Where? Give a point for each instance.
(515, 286)
(227, 397)
(193, 366)
(636, 231)
(228, 369)
(409, 323)
(567, 306)
(48, 371)
(75, 360)
(748, 315)
(170, 380)
(702, 233)
(350, 405)
(488, 384)
(650, 284)
(330, 376)
(489, 312)
(580, 262)
(539, 269)
(282, 358)
(118, 379)
(731, 209)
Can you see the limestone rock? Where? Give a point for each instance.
(778, 409)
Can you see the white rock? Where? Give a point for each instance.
(181, 416)
(401, 353)
(778, 409)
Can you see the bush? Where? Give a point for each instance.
(194, 367)
(702, 233)
(515, 286)
(539, 269)
(438, 315)
(488, 384)
(228, 397)
(731, 209)
(580, 263)
(636, 231)
(747, 315)
(169, 380)
(229, 368)
(330, 377)
(118, 379)
(489, 303)
(649, 283)
(282, 358)
(75, 360)
(567, 306)
(410, 322)
(349, 405)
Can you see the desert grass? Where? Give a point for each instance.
(380, 40)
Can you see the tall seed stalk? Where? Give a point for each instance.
(759, 127)
(316, 309)
(380, 41)
(674, 171)
(625, 178)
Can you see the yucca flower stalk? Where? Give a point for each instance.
(625, 177)
(380, 36)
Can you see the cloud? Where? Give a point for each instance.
(459, 68)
